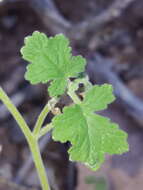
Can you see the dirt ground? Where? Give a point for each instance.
(118, 39)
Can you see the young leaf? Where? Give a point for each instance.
(91, 135)
(51, 60)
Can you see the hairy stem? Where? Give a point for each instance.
(72, 93)
(74, 97)
(48, 107)
(41, 119)
(34, 147)
(31, 139)
(45, 130)
(15, 113)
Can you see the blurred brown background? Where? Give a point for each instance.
(109, 33)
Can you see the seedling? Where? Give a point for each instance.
(91, 135)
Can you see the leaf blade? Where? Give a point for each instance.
(92, 136)
(51, 60)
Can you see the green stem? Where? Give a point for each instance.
(45, 130)
(48, 107)
(31, 139)
(72, 94)
(41, 119)
(15, 113)
(74, 97)
(39, 164)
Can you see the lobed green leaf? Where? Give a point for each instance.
(51, 60)
(91, 135)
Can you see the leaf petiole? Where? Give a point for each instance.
(41, 119)
(72, 94)
(48, 107)
(45, 130)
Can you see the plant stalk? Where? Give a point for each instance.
(41, 119)
(15, 113)
(34, 147)
(31, 139)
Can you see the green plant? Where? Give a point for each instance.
(91, 135)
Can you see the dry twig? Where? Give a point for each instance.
(50, 15)
(54, 20)
(94, 23)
